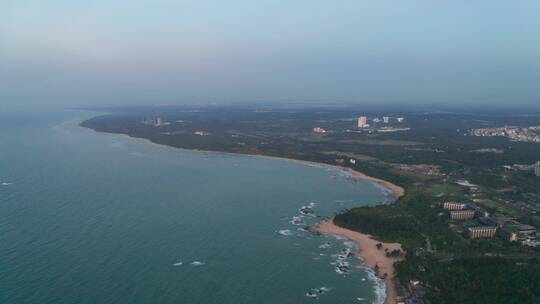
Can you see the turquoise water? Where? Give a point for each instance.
(87, 217)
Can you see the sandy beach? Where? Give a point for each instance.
(367, 250)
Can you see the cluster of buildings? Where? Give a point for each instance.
(424, 169)
(155, 121)
(527, 134)
(514, 231)
(364, 123)
(462, 211)
(487, 226)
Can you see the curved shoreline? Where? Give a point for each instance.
(396, 190)
(366, 245)
(372, 257)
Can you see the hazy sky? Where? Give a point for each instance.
(72, 53)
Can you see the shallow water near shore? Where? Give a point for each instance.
(87, 217)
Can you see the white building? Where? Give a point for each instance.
(400, 119)
(537, 168)
(362, 122)
(454, 206)
(386, 119)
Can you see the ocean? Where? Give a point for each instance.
(88, 217)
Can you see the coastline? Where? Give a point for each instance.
(397, 191)
(367, 250)
(367, 246)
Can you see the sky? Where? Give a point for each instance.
(72, 53)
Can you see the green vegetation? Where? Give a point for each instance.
(453, 268)
(476, 280)
(456, 269)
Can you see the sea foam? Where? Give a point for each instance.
(378, 286)
(285, 232)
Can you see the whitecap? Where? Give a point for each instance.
(178, 264)
(325, 245)
(341, 269)
(379, 287)
(316, 292)
(361, 299)
(197, 263)
(349, 244)
(285, 232)
(297, 220)
(6, 184)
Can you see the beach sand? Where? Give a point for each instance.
(367, 250)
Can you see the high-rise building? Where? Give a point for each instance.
(386, 119)
(362, 122)
(537, 168)
(400, 119)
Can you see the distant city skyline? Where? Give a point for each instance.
(79, 53)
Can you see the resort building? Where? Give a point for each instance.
(518, 232)
(386, 119)
(537, 168)
(462, 215)
(159, 122)
(482, 232)
(454, 206)
(362, 122)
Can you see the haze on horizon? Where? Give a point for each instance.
(85, 53)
